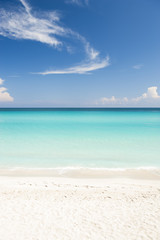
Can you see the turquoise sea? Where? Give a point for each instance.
(88, 138)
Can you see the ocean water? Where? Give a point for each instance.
(87, 138)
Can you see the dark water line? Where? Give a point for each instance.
(82, 109)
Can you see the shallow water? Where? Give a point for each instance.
(93, 138)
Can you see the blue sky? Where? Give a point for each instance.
(79, 53)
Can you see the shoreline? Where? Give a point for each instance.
(146, 173)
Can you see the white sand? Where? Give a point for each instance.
(56, 208)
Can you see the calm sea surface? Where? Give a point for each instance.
(96, 138)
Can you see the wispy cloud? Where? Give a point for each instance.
(24, 23)
(151, 97)
(4, 95)
(91, 52)
(138, 66)
(78, 2)
(81, 69)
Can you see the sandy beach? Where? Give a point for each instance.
(67, 208)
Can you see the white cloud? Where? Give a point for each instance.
(150, 98)
(138, 66)
(92, 53)
(4, 95)
(24, 23)
(112, 100)
(78, 2)
(1, 81)
(150, 95)
(27, 7)
(81, 69)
